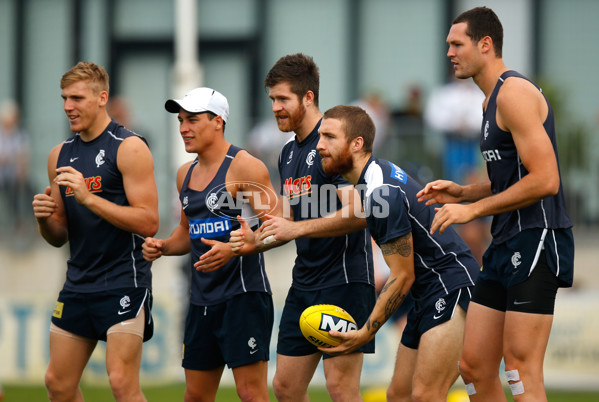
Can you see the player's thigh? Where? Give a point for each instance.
(69, 354)
(525, 338)
(344, 369)
(295, 372)
(439, 352)
(483, 336)
(123, 353)
(201, 385)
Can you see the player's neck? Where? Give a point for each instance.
(96, 128)
(360, 161)
(214, 153)
(310, 121)
(487, 79)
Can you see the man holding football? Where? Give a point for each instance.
(334, 268)
(439, 269)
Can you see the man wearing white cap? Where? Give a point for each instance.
(230, 316)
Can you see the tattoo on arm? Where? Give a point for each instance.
(392, 305)
(400, 246)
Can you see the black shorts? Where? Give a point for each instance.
(535, 295)
(91, 314)
(432, 312)
(357, 299)
(236, 332)
(523, 273)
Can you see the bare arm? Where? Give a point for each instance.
(135, 163)
(399, 256)
(346, 220)
(178, 243)
(247, 179)
(48, 208)
(446, 192)
(521, 109)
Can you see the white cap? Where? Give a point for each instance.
(200, 100)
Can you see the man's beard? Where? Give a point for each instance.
(338, 165)
(294, 120)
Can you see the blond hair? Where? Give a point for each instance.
(94, 74)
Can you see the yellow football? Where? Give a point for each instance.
(316, 322)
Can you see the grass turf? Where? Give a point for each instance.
(174, 392)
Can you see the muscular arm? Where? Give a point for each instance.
(135, 163)
(178, 243)
(346, 220)
(399, 256)
(49, 209)
(521, 110)
(247, 180)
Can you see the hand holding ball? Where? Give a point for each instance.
(316, 322)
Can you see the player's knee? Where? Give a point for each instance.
(468, 375)
(466, 371)
(399, 393)
(424, 392)
(122, 385)
(193, 394)
(342, 391)
(58, 389)
(280, 388)
(252, 392)
(514, 381)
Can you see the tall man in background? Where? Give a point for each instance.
(532, 251)
(102, 199)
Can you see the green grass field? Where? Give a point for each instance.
(174, 392)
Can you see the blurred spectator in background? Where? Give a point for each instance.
(377, 109)
(455, 110)
(15, 188)
(118, 109)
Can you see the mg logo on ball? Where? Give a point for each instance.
(330, 322)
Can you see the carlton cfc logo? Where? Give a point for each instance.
(516, 259)
(310, 157)
(212, 201)
(100, 158)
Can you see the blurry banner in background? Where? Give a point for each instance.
(572, 359)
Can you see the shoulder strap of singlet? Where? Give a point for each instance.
(233, 150)
(188, 175)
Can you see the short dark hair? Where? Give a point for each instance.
(299, 70)
(356, 123)
(481, 22)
